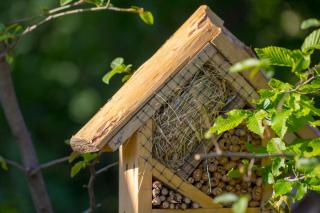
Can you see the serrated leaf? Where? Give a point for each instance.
(116, 62)
(311, 42)
(241, 205)
(233, 119)
(254, 123)
(279, 122)
(77, 168)
(147, 17)
(279, 85)
(226, 198)
(3, 163)
(277, 164)
(65, 2)
(282, 187)
(308, 23)
(276, 55)
(276, 145)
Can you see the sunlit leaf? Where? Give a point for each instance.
(277, 165)
(308, 23)
(279, 122)
(276, 145)
(241, 205)
(311, 42)
(305, 147)
(234, 173)
(73, 156)
(248, 65)
(116, 62)
(77, 168)
(254, 123)
(233, 119)
(226, 198)
(282, 187)
(276, 55)
(147, 17)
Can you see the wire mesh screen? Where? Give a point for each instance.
(174, 120)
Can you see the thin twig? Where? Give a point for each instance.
(58, 9)
(49, 164)
(75, 11)
(106, 168)
(90, 187)
(15, 164)
(241, 155)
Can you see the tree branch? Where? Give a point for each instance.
(19, 130)
(241, 155)
(76, 11)
(15, 164)
(106, 168)
(49, 164)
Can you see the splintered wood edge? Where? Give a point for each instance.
(184, 44)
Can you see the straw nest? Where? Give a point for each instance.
(183, 120)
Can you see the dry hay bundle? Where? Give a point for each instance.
(180, 124)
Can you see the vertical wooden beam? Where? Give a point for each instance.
(135, 176)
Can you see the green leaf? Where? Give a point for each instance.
(267, 175)
(2, 27)
(146, 17)
(73, 156)
(226, 198)
(279, 85)
(311, 22)
(77, 168)
(117, 70)
(65, 2)
(254, 123)
(279, 122)
(312, 87)
(313, 184)
(315, 123)
(116, 62)
(126, 77)
(233, 119)
(301, 190)
(234, 173)
(311, 42)
(241, 205)
(305, 147)
(249, 65)
(282, 187)
(88, 157)
(277, 164)
(276, 145)
(309, 166)
(276, 55)
(3, 163)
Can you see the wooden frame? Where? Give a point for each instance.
(118, 125)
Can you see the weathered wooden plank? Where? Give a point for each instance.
(135, 175)
(166, 176)
(169, 59)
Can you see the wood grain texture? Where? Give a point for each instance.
(135, 173)
(174, 54)
(165, 175)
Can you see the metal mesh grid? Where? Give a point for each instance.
(238, 92)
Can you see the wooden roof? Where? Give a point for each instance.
(110, 127)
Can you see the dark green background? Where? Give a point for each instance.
(58, 69)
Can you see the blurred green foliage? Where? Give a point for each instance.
(57, 72)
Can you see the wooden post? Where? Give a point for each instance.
(135, 177)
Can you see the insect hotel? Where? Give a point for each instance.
(158, 119)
